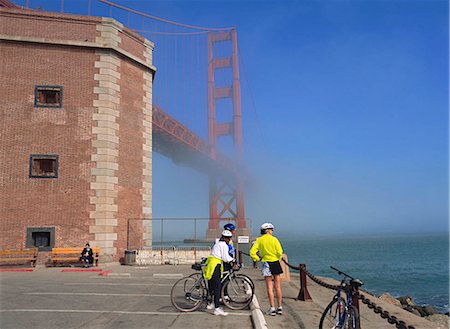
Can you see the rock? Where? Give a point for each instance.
(441, 319)
(389, 299)
(429, 310)
(412, 309)
(406, 301)
(421, 310)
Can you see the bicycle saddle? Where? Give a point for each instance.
(196, 266)
(356, 283)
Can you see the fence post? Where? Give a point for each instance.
(162, 230)
(195, 230)
(303, 294)
(355, 303)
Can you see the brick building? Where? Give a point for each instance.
(75, 132)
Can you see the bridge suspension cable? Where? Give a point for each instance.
(166, 20)
(170, 33)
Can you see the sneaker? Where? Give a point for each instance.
(280, 310)
(272, 311)
(220, 311)
(210, 306)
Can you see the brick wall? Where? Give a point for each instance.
(37, 202)
(130, 161)
(98, 133)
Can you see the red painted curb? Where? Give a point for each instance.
(105, 272)
(83, 270)
(16, 270)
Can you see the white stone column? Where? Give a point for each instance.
(147, 148)
(105, 142)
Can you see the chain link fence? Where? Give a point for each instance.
(176, 240)
(177, 232)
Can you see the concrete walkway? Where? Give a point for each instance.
(127, 297)
(139, 297)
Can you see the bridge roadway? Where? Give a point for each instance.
(138, 297)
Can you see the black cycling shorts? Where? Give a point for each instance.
(275, 267)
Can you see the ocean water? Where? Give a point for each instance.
(413, 265)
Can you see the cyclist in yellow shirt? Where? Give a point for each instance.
(270, 253)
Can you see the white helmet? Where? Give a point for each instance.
(227, 234)
(267, 226)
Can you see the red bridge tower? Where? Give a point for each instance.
(226, 196)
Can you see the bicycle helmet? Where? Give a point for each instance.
(229, 227)
(267, 226)
(227, 234)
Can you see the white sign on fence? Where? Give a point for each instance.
(243, 239)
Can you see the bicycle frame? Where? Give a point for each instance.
(348, 302)
(225, 275)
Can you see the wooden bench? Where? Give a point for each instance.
(20, 256)
(71, 255)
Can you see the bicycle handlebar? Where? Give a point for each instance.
(342, 273)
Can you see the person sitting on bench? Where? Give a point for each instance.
(87, 256)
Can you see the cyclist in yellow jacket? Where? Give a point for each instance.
(213, 270)
(270, 253)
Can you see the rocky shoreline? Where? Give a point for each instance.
(407, 303)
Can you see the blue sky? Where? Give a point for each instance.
(349, 128)
(345, 109)
(358, 125)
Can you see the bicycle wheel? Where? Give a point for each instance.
(351, 320)
(187, 294)
(196, 275)
(248, 278)
(237, 292)
(332, 315)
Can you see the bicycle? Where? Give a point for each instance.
(189, 293)
(198, 274)
(340, 312)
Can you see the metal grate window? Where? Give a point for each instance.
(48, 96)
(41, 239)
(44, 166)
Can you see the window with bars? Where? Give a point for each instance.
(48, 96)
(43, 166)
(41, 237)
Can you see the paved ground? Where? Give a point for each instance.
(129, 297)
(138, 297)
